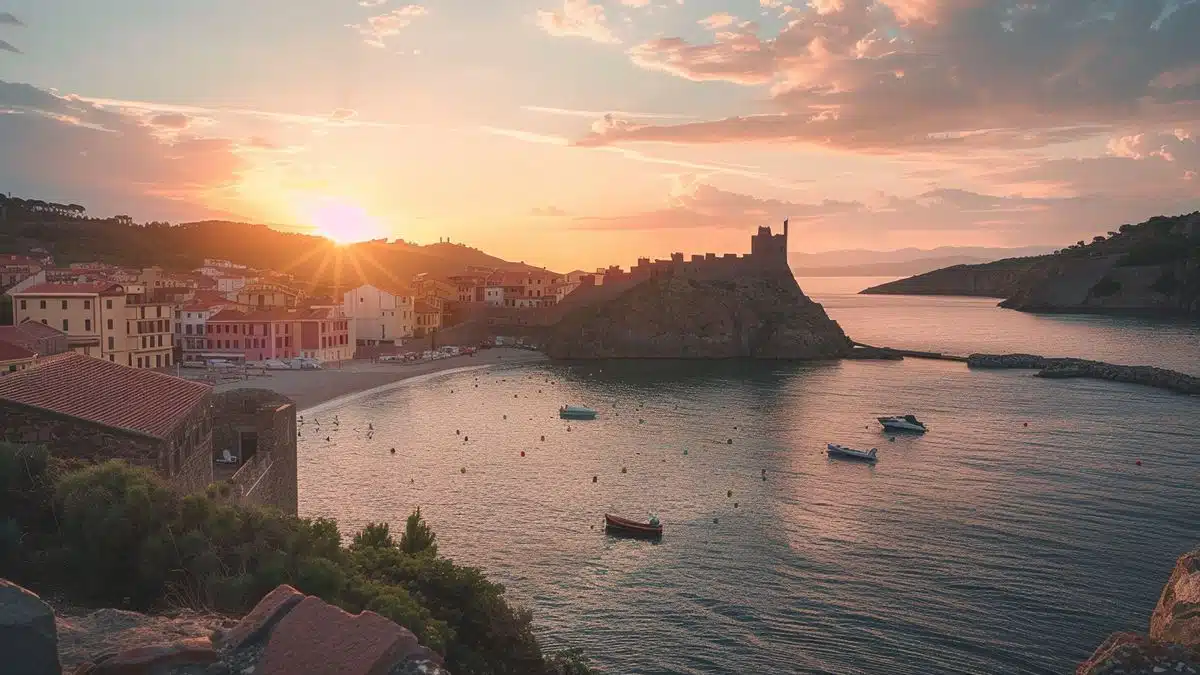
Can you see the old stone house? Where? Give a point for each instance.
(254, 443)
(93, 409)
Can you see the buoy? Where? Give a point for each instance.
(1139, 462)
(594, 478)
(458, 432)
(685, 452)
(463, 470)
(716, 520)
(522, 453)
(543, 438)
(729, 493)
(1027, 424)
(466, 438)
(506, 417)
(735, 505)
(730, 441)
(327, 438)
(623, 470)
(568, 428)
(393, 451)
(735, 427)
(516, 396)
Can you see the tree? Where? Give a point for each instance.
(418, 536)
(1097, 239)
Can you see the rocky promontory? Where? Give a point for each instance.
(1173, 643)
(1066, 368)
(763, 316)
(999, 279)
(1149, 268)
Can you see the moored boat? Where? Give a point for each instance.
(844, 452)
(902, 423)
(576, 412)
(631, 528)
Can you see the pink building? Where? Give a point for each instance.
(319, 333)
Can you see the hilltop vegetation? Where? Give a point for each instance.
(71, 236)
(113, 535)
(1149, 267)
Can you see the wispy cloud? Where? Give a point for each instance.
(388, 24)
(338, 118)
(569, 112)
(578, 18)
(8, 19)
(371, 3)
(6, 47)
(550, 211)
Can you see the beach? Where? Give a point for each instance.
(312, 387)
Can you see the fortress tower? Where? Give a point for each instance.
(767, 248)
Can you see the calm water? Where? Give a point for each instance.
(986, 546)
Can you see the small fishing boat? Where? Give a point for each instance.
(842, 451)
(630, 528)
(902, 423)
(576, 412)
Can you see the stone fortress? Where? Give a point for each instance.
(768, 254)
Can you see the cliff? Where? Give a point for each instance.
(998, 279)
(1065, 368)
(1173, 643)
(756, 315)
(1153, 267)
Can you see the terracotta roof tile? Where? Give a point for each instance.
(14, 352)
(105, 393)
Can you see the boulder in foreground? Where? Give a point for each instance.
(28, 638)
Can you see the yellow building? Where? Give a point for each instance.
(119, 323)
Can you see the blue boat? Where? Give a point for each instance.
(576, 412)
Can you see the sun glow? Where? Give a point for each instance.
(343, 222)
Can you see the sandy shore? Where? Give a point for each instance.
(311, 387)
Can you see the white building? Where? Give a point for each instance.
(232, 283)
(379, 315)
(493, 296)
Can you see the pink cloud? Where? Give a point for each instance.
(942, 74)
(380, 27)
(578, 18)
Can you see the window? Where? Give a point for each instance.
(108, 304)
(87, 304)
(65, 324)
(188, 329)
(44, 322)
(158, 360)
(112, 357)
(42, 304)
(111, 343)
(22, 304)
(87, 325)
(143, 342)
(64, 304)
(110, 324)
(139, 362)
(159, 310)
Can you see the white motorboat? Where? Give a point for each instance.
(842, 451)
(902, 423)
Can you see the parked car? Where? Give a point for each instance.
(275, 364)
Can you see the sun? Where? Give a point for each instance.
(343, 222)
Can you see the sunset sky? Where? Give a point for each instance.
(576, 133)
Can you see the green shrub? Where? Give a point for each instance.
(111, 534)
(1166, 284)
(1158, 252)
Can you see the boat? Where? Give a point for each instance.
(631, 528)
(842, 451)
(576, 412)
(902, 423)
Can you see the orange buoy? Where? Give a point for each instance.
(522, 453)
(1139, 462)
(1027, 424)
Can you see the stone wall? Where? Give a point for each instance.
(184, 459)
(269, 478)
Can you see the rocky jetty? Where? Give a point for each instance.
(1064, 368)
(1149, 268)
(286, 633)
(764, 316)
(999, 279)
(1173, 643)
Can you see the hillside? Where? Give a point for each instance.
(887, 269)
(70, 236)
(1152, 267)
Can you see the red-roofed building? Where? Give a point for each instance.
(14, 358)
(17, 268)
(37, 337)
(98, 410)
(379, 314)
(118, 323)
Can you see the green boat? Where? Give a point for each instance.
(576, 412)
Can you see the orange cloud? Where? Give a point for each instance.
(579, 18)
(382, 26)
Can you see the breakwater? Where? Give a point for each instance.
(1064, 368)
(1048, 367)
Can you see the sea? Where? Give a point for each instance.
(1033, 519)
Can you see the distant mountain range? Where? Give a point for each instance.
(901, 262)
